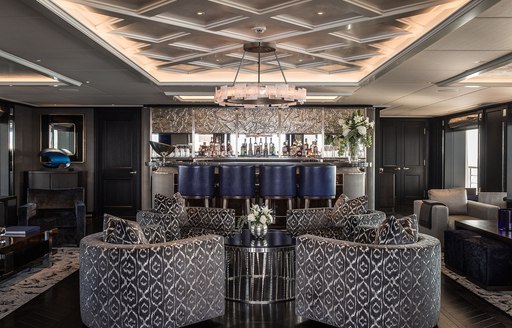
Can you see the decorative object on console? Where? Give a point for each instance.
(258, 219)
(252, 95)
(356, 131)
(505, 219)
(162, 149)
(56, 157)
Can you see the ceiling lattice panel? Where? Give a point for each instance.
(201, 41)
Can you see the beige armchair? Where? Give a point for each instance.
(456, 207)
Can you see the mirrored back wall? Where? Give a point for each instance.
(208, 120)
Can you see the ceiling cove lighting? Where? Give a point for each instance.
(252, 95)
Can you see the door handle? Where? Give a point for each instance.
(405, 168)
(397, 169)
(133, 172)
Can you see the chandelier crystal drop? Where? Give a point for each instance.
(251, 95)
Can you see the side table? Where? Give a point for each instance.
(260, 271)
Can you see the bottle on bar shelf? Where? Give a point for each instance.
(217, 147)
(272, 148)
(223, 150)
(285, 151)
(315, 148)
(229, 149)
(293, 151)
(243, 149)
(257, 148)
(265, 148)
(306, 151)
(299, 149)
(250, 152)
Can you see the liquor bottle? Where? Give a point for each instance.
(217, 147)
(293, 151)
(285, 149)
(265, 148)
(212, 147)
(315, 148)
(299, 149)
(250, 152)
(243, 149)
(222, 150)
(272, 148)
(257, 148)
(229, 149)
(305, 149)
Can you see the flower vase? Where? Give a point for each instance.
(258, 231)
(353, 151)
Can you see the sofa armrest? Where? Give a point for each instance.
(482, 210)
(302, 221)
(219, 220)
(439, 220)
(27, 211)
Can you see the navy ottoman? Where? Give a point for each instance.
(488, 263)
(454, 248)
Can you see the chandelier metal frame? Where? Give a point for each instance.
(252, 95)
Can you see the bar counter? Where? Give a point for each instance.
(351, 177)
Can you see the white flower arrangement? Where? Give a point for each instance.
(356, 130)
(260, 215)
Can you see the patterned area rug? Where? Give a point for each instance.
(500, 299)
(34, 280)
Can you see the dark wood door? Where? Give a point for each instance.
(403, 155)
(118, 156)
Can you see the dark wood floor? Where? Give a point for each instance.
(59, 308)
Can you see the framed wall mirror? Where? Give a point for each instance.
(64, 132)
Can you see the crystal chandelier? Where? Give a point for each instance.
(251, 95)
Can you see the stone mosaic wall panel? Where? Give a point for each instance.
(215, 120)
(258, 120)
(301, 120)
(171, 119)
(332, 117)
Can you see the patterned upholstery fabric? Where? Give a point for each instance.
(347, 284)
(219, 221)
(313, 220)
(395, 231)
(154, 233)
(188, 232)
(345, 208)
(121, 231)
(365, 234)
(170, 284)
(170, 225)
(174, 205)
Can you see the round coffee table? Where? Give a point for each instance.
(260, 271)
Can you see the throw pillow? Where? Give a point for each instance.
(345, 208)
(455, 199)
(395, 231)
(121, 231)
(154, 233)
(174, 205)
(169, 224)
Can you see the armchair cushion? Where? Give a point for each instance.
(174, 206)
(395, 231)
(120, 231)
(365, 234)
(345, 207)
(154, 233)
(169, 223)
(455, 199)
(219, 221)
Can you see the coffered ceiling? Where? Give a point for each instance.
(413, 57)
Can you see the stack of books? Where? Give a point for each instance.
(21, 231)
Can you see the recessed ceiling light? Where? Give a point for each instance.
(320, 13)
(300, 59)
(87, 82)
(200, 13)
(38, 60)
(349, 26)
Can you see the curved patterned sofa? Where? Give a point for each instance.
(348, 284)
(170, 284)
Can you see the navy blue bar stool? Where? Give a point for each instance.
(237, 182)
(196, 182)
(317, 182)
(278, 182)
